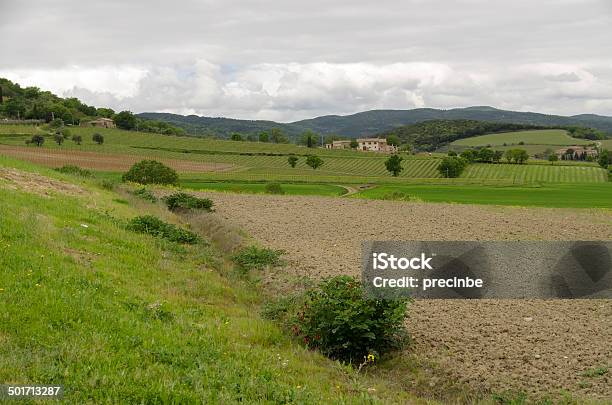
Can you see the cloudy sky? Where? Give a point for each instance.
(287, 60)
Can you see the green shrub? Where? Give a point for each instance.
(254, 258)
(154, 226)
(274, 188)
(145, 194)
(98, 138)
(187, 201)
(74, 170)
(37, 140)
(108, 184)
(151, 172)
(336, 319)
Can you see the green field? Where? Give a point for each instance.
(259, 188)
(545, 195)
(260, 162)
(539, 137)
(536, 173)
(607, 143)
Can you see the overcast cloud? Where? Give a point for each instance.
(288, 60)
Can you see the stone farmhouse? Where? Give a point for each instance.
(365, 144)
(576, 153)
(102, 123)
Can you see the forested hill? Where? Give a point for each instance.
(219, 126)
(430, 135)
(377, 121)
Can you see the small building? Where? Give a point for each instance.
(365, 144)
(376, 145)
(338, 145)
(576, 153)
(102, 123)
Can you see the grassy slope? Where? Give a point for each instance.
(122, 318)
(540, 137)
(18, 129)
(546, 195)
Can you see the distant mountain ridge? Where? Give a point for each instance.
(377, 121)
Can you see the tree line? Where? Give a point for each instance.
(454, 164)
(32, 103)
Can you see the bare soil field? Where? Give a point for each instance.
(535, 346)
(35, 183)
(101, 161)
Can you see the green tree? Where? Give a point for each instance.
(125, 120)
(394, 165)
(486, 155)
(452, 166)
(470, 155)
(56, 123)
(314, 161)
(58, 138)
(406, 148)
(264, 137)
(98, 138)
(509, 155)
(520, 156)
(354, 144)
(309, 139)
(497, 156)
(393, 140)
(77, 139)
(605, 158)
(105, 112)
(292, 160)
(15, 108)
(452, 153)
(552, 158)
(236, 137)
(278, 136)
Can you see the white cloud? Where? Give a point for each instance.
(121, 81)
(294, 91)
(289, 60)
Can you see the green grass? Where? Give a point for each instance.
(539, 137)
(607, 144)
(18, 129)
(533, 173)
(258, 188)
(120, 317)
(544, 195)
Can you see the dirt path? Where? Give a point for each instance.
(100, 161)
(535, 346)
(350, 190)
